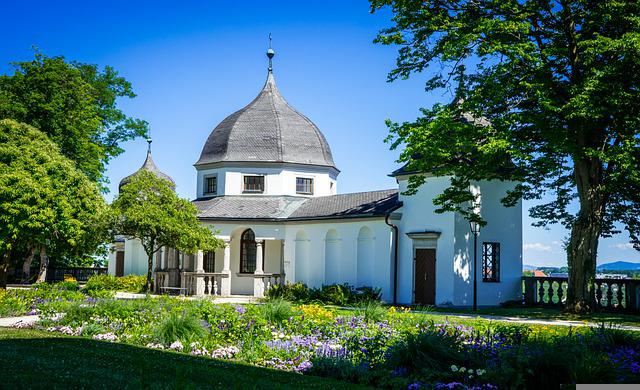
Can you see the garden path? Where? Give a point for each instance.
(8, 322)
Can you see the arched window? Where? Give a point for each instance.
(248, 252)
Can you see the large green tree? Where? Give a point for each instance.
(548, 94)
(148, 209)
(46, 203)
(75, 104)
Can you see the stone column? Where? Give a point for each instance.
(199, 257)
(258, 280)
(225, 281)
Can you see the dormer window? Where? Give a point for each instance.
(211, 185)
(304, 185)
(253, 184)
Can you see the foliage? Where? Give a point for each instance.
(334, 294)
(293, 292)
(547, 96)
(129, 283)
(276, 311)
(371, 311)
(398, 350)
(45, 202)
(179, 327)
(75, 105)
(148, 209)
(41, 298)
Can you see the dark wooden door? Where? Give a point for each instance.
(425, 277)
(119, 263)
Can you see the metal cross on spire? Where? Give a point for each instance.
(270, 54)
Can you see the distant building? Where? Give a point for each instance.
(539, 273)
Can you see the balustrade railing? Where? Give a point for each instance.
(211, 281)
(608, 294)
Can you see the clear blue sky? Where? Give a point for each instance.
(194, 63)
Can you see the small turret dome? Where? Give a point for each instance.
(149, 166)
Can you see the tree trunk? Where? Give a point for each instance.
(585, 232)
(148, 287)
(26, 266)
(4, 267)
(44, 265)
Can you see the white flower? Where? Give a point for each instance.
(274, 334)
(462, 369)
(454, 368)
(280, 335)
(105, 337)
(480, 372)
(176, 346)
(318, 344)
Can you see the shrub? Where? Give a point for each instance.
(129, 283)
(276, 310)
(372, 311)
(333, 294)
(429, 349)
(92, 329)
(293, 292)
(179, 327)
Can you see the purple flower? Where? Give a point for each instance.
(240, 309)
(414, 386)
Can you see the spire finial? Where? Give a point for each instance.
(149, 140)
(270, 54)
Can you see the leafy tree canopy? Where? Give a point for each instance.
(546, 94)
(148, 209)
(75, 104)
(45, 201)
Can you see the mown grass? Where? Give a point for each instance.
(37, 359)
(540, 313)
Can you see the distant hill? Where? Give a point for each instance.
(528, 267)
(619, 266)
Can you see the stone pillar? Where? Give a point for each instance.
(225, 281)
(259, 270)
(199, 269)
(258, 280)
(163, 260)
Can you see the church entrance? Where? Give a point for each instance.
(425, 276)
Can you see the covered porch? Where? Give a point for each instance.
(247, 265)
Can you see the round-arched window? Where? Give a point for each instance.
(248, 252)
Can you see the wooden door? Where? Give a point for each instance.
(425, 277)
(120, 263)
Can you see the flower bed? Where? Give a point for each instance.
(395, 349)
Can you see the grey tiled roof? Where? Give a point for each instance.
(150, 166)
(373, 203)
(267, 130)
(291, 208)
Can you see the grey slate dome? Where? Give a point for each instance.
(150, 166)
(267, 130)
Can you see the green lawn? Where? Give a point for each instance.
(546, 314)
(36, 359)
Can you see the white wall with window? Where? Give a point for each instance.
(284, 180)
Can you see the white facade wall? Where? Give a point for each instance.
(504, 226)
(305, 256)
(278, 180)
(454, 246)
(418, 215)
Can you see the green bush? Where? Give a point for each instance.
(276, 310)
(293, 292)
(183, 327)
(372, 311)
(430, 349)
(333, 294)
(129, 283)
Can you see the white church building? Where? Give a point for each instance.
(267, 185)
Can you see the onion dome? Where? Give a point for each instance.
(150, 166)
(267, 130)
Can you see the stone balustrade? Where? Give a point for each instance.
(609, 294)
